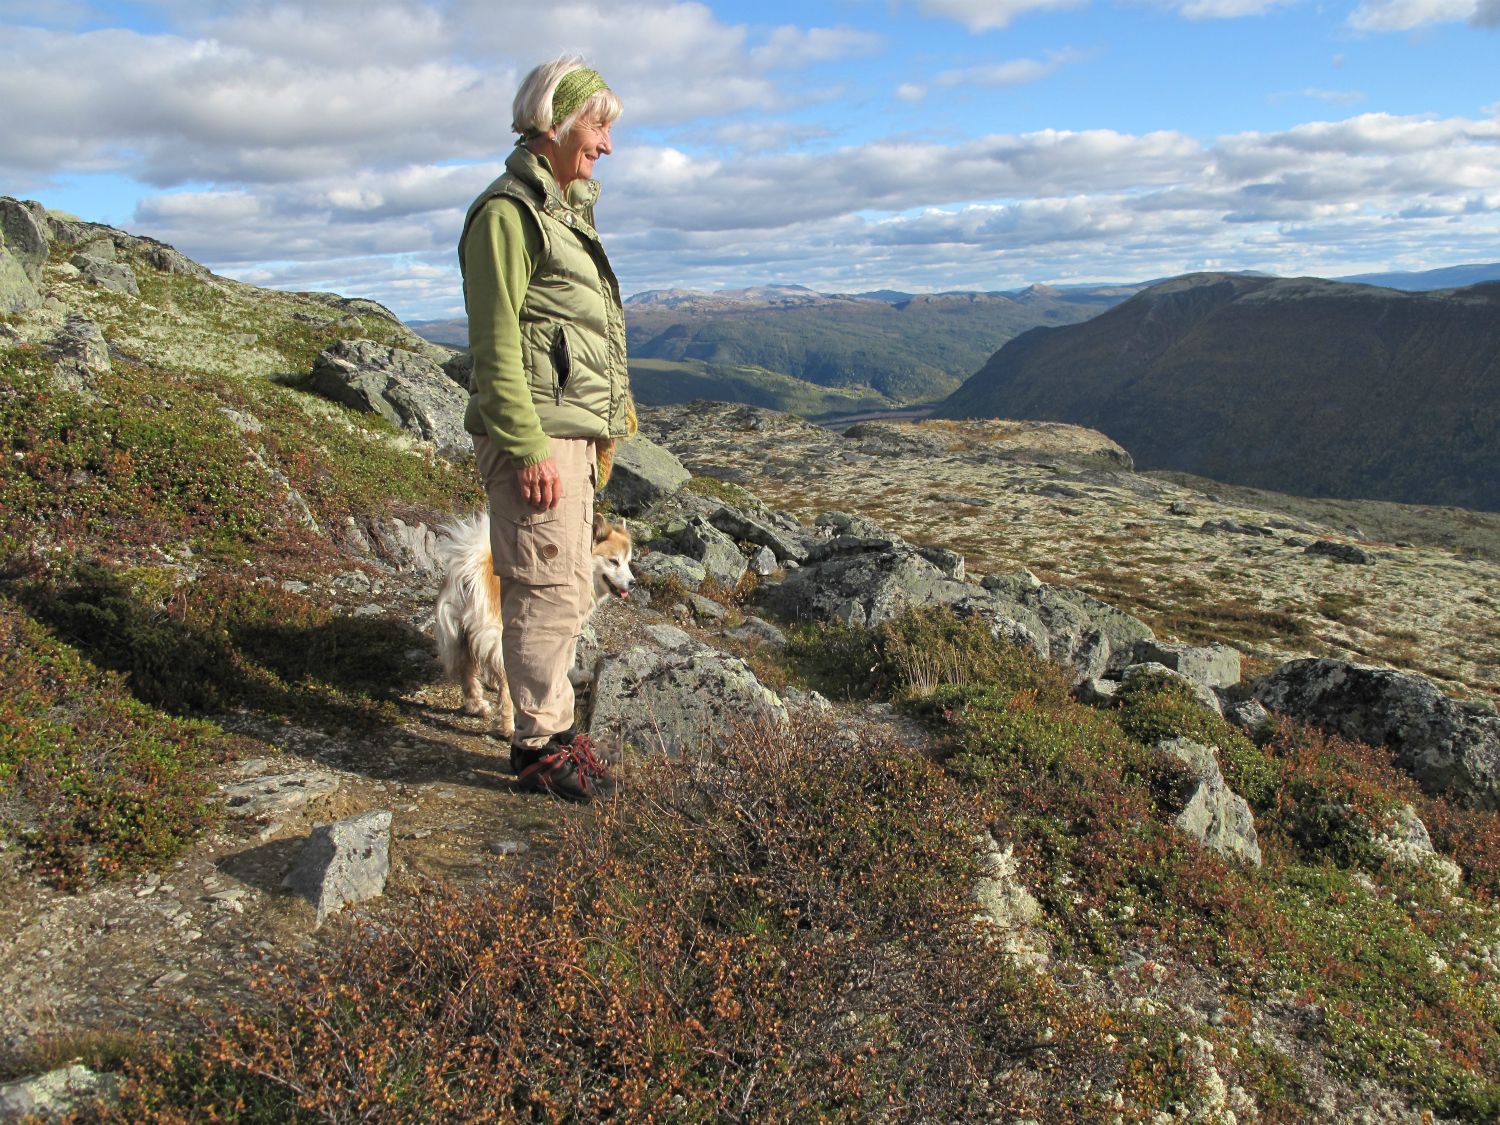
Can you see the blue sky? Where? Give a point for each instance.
(846, 145)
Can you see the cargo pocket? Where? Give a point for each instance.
(538, 549)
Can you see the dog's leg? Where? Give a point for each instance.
(507, 717)
(473, 681)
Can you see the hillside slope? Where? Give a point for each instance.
(946, 889)
(1298, 385)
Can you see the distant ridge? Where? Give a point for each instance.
(1302, 385)
(1449, 277)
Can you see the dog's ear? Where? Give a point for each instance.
(601, 527)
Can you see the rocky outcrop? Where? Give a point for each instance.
(643, 474)
(673, 694)
(81, 355)
(1212, 813)
(1340, 552)
(23, 253)
(54, 1095)
(98, 263)
(1062, 624)
(1214, 666)
(702, 542)
(343, 863)
(409, 390)
(1451, 747)
(859, 580)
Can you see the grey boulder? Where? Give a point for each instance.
(17, 291)
(673, 694)
(643, 473)
(343, 863)
(1212, 813)
(24, 235)
(409, 390)
(1215, 666)
(51, 1096)
(1451, 748)
(662, 566)
(1064, 625)
(721, 559)
(1340, 552)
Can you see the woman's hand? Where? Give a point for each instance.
(540, 484)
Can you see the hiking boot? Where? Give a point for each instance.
(565, 769)
(522, 756)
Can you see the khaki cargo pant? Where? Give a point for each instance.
(545, 564)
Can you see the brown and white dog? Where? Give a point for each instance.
(468, 605)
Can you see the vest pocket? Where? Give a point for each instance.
(562, 364)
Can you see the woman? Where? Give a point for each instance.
(550, 394)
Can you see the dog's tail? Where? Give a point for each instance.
(468, 606)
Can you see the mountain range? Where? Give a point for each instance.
(881, 348)
(1300, 385)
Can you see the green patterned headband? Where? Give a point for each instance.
(576, 87)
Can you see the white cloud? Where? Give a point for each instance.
(1013, 72)
(796, 47)
(991, 15)
(1318, 93)
(1226, 9)
(1403, 15)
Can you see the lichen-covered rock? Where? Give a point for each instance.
(343, 863)
(98, 266)
(673, 694)
(784, 543)
(51, 1096)
(409, 390)
(1450, 747)
(1062, 624)
(1005, 903)
(167, 259)
(81, 355)
(1249, 716)
(1340, 552)
(17, 291)
(721, 559)
(1215, 666)
(24, 235)
(662, 566)
(1405, 841)
(404, 546)
(643, 474)
(1212, 813)
(860, 580)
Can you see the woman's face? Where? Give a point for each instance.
(573, 157)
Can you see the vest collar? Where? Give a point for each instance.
(536, 172)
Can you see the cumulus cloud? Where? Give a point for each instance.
(983, 213)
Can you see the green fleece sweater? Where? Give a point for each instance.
(500, 252)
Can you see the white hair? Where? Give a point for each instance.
(532, 109)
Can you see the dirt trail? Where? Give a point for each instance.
(143, 952)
